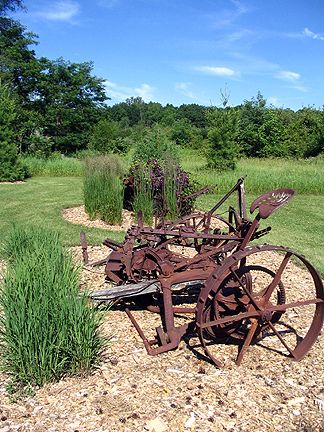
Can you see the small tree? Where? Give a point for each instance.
(222, 150)
(252, 116)
(223, 123)
(10, 168)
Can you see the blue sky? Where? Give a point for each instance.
(186, 51)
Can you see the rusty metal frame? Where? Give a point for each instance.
(145, 264)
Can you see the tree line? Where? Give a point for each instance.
(60, 106)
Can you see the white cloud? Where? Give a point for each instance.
(110, 84)
(312, 35)
(120, 92)
(288, 76)
(63, 10)
(184, 88)
(216, 70)
(293, 78)
(239, 34)
(300, 88)
(145, 91)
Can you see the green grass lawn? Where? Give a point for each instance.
(299, 224)
(39, 201)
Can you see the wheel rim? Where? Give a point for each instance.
(283, 304)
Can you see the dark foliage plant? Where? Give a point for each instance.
(169, 188)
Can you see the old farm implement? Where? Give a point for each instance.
(204, 277)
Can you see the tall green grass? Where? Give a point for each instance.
(103, 188)
(46, 329)
(261, 175)
(53, 167)
(170, 188)
(143, 195)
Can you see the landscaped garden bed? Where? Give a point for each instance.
(178, 391)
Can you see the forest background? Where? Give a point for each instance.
(55, 108)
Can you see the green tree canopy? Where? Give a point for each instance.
(18, 63)
(70, 100)
(10, 169)
(8, 6)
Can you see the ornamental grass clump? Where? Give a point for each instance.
(47, 330)
(143, 198)
(103, 188)
(171, 191)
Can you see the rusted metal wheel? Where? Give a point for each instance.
(231, 299)
(265, 293)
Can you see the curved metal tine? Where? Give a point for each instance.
(275, 281)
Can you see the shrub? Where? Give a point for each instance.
(39, 145)
(47, 329)
(103, 188)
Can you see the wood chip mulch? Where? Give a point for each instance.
(175, 391)
(77, 215)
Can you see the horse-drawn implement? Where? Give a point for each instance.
(230, 290)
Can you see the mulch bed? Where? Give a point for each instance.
(175, 391)
(77, 215)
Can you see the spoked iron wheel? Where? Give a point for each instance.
(276, 297)
(232, 298)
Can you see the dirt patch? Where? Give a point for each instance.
(177, 390)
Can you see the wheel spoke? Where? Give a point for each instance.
(247, 341)
(284, 307)
(247, 292)
(281, 339)
(277, 277)
(228, 319)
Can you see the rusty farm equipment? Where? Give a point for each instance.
(223, 289)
